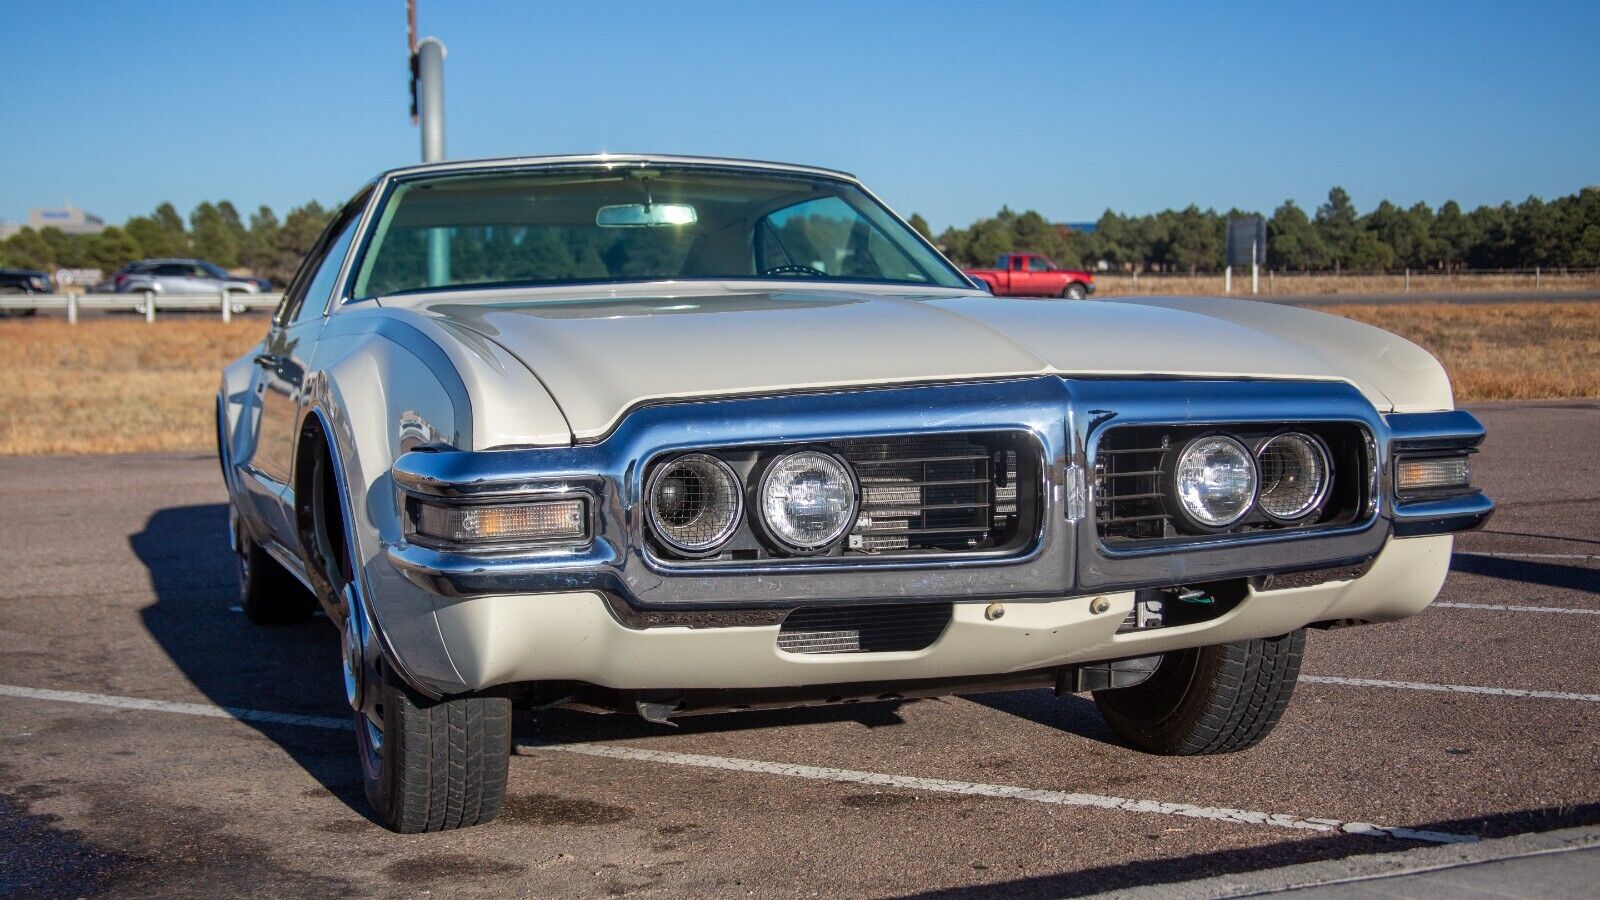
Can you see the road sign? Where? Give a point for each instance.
(1247, 241)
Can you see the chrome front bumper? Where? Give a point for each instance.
(1065, 557)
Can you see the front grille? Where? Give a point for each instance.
(930, 494)
(1131, 505)
(863, 629)
(934, 494)
(1129, 501)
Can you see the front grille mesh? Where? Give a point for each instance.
(1129, 501)
(937, 494)
(863, 629)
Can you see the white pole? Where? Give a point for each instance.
(1227, 280)
(1408, 279)
(150, 307)
(1136, 281)
(1255, 277)
(227, 308)
(1536, 274)
(430, 115)
(72, 309)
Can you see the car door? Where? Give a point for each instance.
(278, 382)
(1041, 277)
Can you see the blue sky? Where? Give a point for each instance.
(948, 109)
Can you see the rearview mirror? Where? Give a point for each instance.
(638, 215)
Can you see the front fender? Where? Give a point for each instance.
(381, 386)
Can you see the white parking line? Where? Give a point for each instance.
(814, 773)
(1450, 688)
(167, 706)
(1002, 791)
(1512, 554)
(1508, 607)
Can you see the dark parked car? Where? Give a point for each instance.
(24, 281)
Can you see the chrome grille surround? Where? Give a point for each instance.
(1060, 555)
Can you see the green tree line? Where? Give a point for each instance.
(214, 231)
(1334, 236)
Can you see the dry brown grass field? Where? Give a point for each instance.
(121, 386)
(1281, 284)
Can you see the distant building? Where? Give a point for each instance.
(69, 219)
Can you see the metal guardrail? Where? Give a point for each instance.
(145, 303)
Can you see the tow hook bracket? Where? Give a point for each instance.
(1105, 676)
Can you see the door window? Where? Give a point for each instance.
(307, 294)
(1039, 264)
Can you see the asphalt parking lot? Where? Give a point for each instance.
(152, 742)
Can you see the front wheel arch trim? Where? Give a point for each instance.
(330, 446)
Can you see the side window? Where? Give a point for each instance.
(1039, 264)
(307, 294)
(1018, 263)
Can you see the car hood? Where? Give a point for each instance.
(600, 353)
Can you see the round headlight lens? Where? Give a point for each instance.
(808, 500)
(1215, 480)
(1294, 475)
(695, 503)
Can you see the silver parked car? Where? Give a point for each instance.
(182, 276)
(674, 435)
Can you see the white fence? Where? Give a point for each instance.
(146, 304)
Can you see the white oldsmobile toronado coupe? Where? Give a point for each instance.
(675, 435)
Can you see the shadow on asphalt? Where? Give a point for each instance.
(1575, 578)
(283, 668)
(295, 668)
(1144, 873)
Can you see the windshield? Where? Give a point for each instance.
(643, 223)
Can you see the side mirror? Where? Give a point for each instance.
(982, 285)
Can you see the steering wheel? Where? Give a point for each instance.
(794, 269)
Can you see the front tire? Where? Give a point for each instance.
(1206, 700)
(434, 765)
(1074, 291)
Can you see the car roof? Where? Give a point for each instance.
(607, 159)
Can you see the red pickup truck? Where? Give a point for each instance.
(1032, 275)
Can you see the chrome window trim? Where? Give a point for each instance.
(1066, 416)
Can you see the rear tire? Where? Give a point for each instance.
(435, 765)
(1207, 700)
(268, 594)
(1074, 291)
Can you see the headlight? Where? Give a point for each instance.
(808, 501)
(694, 503)
(1294, 476)
(1215, 481)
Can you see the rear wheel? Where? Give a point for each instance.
(1074, 291)
(1208, 700)
(268, 594)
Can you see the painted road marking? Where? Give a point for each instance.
(1507, 607)
(1449, 688)
(814, 773)
(1002, 791)
(1506, 554)
(167, 706)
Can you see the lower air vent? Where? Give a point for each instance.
(863, 629)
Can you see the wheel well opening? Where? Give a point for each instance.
(319, 514)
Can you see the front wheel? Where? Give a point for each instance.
(1074, 291)
(433, 765)
(1206, 700)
